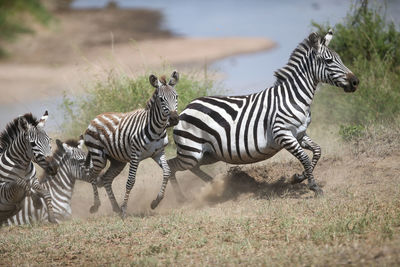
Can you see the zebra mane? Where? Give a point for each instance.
(150, 102)
(12, 130)
(163, 80)
(304, 46)
(60, 152)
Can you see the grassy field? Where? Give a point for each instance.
(248, 216)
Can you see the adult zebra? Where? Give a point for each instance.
(132, 137)
(251, 128)
(24, 140)
(73, 164)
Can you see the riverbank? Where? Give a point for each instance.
(82, 44)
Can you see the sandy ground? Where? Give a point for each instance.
(82, 44)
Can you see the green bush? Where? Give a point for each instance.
(351, 132)
(368, 45)
(16, 18)
(365, 33)
(121, 93)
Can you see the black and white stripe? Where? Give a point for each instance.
(132, 137)
(23, 141)
(252, 128)
(73, 164)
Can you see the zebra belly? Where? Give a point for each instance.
(153, 148)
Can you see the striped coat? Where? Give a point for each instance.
(123, 138)
(251, 128)
(73, 164)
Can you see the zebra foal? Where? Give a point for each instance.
(251, 128)
(132, 137)
(23, 141)
(73, 164)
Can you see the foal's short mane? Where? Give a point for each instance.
(149, 103)
(12, 130)
(71, 142)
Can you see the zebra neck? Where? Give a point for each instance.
(62, 184)
(299, 77)
(17, 153)
(157, 122)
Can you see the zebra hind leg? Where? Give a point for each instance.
(203, 176)
(309, 144)
(162, 162)
(291, 144)
(207, 159)
(108, 177)
(180, 163)
(133, 165)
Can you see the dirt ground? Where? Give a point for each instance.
(82, 44)
(249, 215)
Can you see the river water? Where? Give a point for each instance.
(287, 22)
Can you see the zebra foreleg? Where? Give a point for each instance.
(162, 162)
(99, 162)
(307, 143)
(133, 165)
(42, 192)
(107, 178)
(292, 145)
(96, 198)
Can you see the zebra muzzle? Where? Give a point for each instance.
(52, 166)
(173, 118)
(352, 83)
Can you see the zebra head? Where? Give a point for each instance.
(79, 165)
(330, 68)
(39, 144)
(167, 97)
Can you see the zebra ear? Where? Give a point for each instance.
(174, 78)
(153, 81)
(80, 142)
(43, 119)
(60, 145)
(23, 123)
(67, 148)
(328, 37)
(315, 41)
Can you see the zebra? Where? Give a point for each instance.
(73, 164)
(251, 128)
(132, 137)
(24, 140)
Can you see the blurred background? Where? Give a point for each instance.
(69, 55)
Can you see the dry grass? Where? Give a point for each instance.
(253, 216)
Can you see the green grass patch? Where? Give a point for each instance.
(368, 44)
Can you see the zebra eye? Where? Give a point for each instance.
(329, 60)
(33, 144)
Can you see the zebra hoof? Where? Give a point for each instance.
(52, 220)
(117, 210)
(154, 204)
(94, 209)
(122, 212)
(297, 178)
(317, 190)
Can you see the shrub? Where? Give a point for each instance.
(368, 45)
(16, 18)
